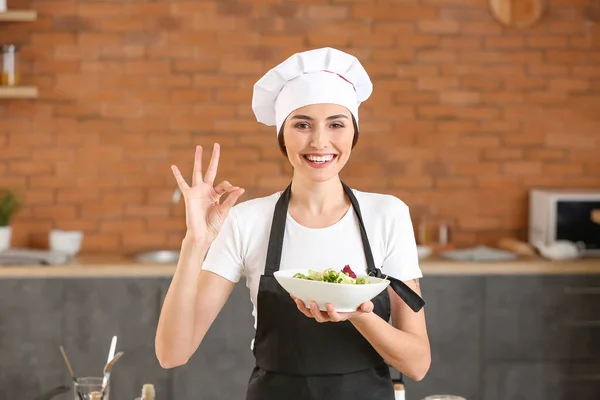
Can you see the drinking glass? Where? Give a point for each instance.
(87, 385)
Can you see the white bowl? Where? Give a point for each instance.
(424, 252)
(344, 297)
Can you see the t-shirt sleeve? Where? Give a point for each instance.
(402, 259)
(224, 256)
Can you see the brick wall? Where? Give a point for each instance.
(466, 115)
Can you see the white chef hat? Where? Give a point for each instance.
(317, 76)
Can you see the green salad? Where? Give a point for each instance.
(346, 275)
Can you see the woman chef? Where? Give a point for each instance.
(317, 222)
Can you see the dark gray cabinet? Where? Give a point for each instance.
(544, 380)
(532, 318)
(512, 337)
(31, 314)
(221, 366)
(492, 338)
(454, 311)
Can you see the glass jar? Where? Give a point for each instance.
(87, 388)
(10, 73)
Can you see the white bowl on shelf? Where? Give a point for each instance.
(424, 252)
(344, 297)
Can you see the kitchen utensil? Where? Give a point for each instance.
(111, 351)
(444, 397)
(72, 373)
(343, 297)
(107, 370)
(53, 392)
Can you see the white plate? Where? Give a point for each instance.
(344, 297)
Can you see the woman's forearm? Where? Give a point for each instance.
(175, 331)
(406, 352)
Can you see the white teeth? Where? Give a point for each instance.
(319, 159)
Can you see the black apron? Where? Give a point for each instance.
(298, 358)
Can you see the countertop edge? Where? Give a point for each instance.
(123, 267)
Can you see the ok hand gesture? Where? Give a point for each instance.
(204, 212)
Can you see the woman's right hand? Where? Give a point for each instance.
(204, 213)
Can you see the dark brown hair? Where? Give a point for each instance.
(281, 142)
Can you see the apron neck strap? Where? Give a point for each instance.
(275, 246)
(277, 232)
(410, 297)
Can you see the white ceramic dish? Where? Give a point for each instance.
(343, 297)
(424, 252)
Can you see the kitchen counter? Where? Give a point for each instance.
(120, 266)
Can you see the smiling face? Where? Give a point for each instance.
(318, 140)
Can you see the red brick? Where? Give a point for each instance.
(480, 28)
(437, 26)
(588, 71)
(393, 12)
(410, 71)
(569, 85)
(456, 97)
(547, 42)
(522, 167)
(57, 212)
(477, 169)
(454, 182)
(545, 154)
(530, 82)
(474, 82)
(545, 97)
(480, 141)
(101, 242)
(461, 43)
(562, 169)
(465, 14)
(319, 12)
(570, 57)
(396, 28)
(502, 154)
(499, 126)
(437, 83)
(503, 97)
(395, 54)
(435, 56)
(547, 70)
(415, 98)
(504, 43)
(99, 9)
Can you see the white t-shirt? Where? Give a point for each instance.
(241, 246)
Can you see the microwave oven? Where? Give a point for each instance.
(565, 214)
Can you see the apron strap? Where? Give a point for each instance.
(275, 247)
(371, 269)
(410, 297)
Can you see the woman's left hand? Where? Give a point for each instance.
(331, 315)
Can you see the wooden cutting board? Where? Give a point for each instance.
(517, 13)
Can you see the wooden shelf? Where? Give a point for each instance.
(18, 92)
(18, 15)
